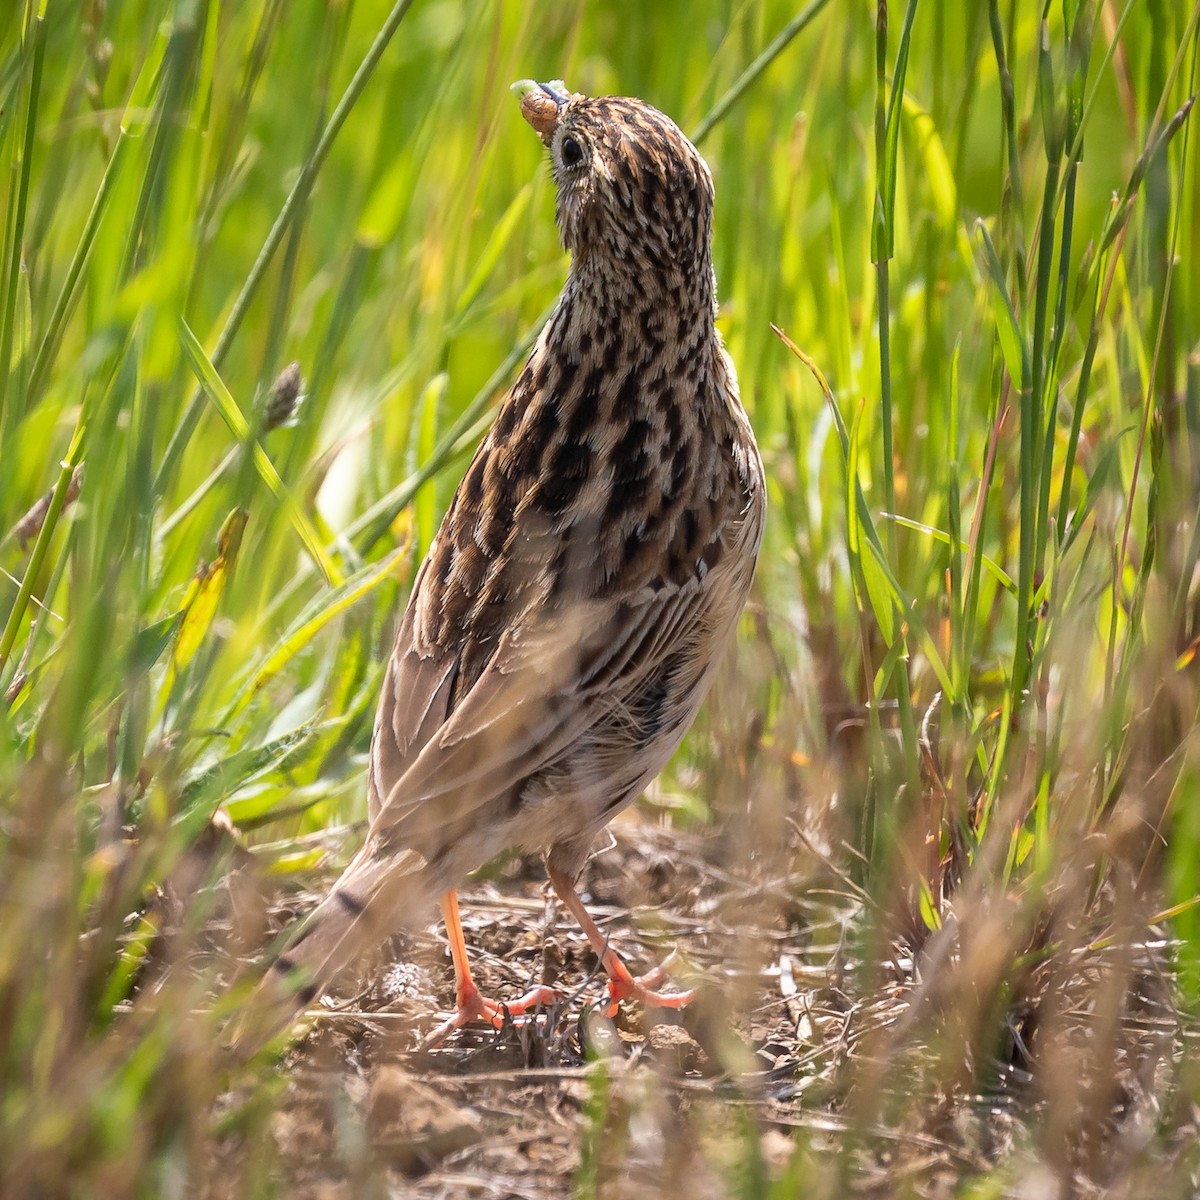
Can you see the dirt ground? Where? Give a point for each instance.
(663, 1103)
(500, 1113)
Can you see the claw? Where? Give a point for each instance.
(622, 985)
(476, 1007)
(470, 1003)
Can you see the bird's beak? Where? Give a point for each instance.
(541, 105)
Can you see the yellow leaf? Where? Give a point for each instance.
(204, 593)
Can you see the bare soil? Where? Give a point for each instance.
(781, 1039)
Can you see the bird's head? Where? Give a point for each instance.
(634, 195)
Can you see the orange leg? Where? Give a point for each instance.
(471, 1005)
(622, 985)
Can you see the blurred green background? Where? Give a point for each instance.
(201, 628)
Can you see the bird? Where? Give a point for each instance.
(584, 583)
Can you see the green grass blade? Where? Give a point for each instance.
(300, 189)
(331, 605)
(16, 249)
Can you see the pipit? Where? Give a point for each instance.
(568, 617)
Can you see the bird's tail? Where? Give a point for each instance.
(379, 893)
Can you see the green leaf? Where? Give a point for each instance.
(22, 327)
(135, 118)
(883, 231)
(1099, 481)
(150, 642)
(314, 618)
(205, 790)
(1012, 344)
(930, 917)
(871, 586)
(1001, 576)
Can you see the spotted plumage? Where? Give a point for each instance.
(589, 572)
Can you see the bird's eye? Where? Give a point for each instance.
(571, 152)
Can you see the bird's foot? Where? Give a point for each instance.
(472, 1005)
(624, 985)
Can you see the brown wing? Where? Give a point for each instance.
(414, 703)
(566, 573)
(459, 606)
(564, 677)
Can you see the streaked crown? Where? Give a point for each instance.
(633, 192)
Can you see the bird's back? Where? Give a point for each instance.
(595, 556)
